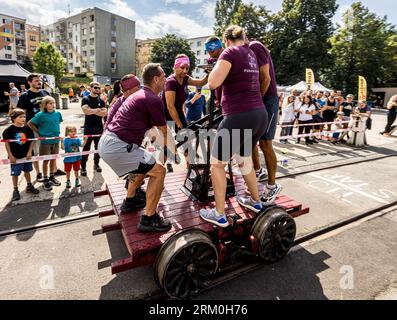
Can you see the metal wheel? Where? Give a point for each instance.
(185, 264)
(275, 230)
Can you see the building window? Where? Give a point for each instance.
(70, 46)
(77, 39)
(84, 43)
(205, 52)
(8, 56)
(85, 65)
(114, 21)
(84, 31)
(198, 43)
(198, 61)
(92, 18)
(7, 39)
(70, 66)
(92, 52)
(70, 24)
(92, 41)
(84, 53)
(70, 35)
(19, 42)
(6, 30)
(32, 38)
(19, 26)
(113, 55)
(77, 59)
(114, 67)
(92, 29)
(84, 20)
(114, 33)
(198, 52)
(113, 44)
(8, 48)
(6, 21)
(70, 55)
(92, 64)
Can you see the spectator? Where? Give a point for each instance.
(195, 105)
(338, 125)
(287, 118)
(104, 96)
(72, 144)
(115, 93)
(23, 89)
(94, 109)
(305, 119)
(348, 106)
(391, 116)
(71, 94)
(30, 101)
(84, 92)
(18, 150)
(47, 124)
(14, 97)
(328, 111)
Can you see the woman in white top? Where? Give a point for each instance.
(287, 118)
(305, 118)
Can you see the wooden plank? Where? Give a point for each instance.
(111, 227)
(106, 213)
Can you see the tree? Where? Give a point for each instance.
(364, 45)
(224, 12)
(165, 50)
(254, 19)
(299, 38)
(48, 60)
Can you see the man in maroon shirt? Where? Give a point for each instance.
(120, 147)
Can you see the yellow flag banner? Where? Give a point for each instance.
(309, 79)
(362, 88)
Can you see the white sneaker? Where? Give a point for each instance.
(211, 215)
(270, 195)
(261, 175)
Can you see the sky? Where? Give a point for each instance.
(155, 18)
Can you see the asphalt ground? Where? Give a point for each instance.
(73, 261)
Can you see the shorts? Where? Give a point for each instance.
(16, 169)
(48, 149)
(74, 165)
(232, 139)
(36, 145)
(272, 108)
(124, 158)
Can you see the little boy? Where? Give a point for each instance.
(18, 150)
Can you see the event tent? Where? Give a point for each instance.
(11, 71)
(302, 86)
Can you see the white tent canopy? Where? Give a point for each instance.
(302, 86)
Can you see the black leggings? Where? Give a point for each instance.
(391, 117)
(87, 147)
(308, 126)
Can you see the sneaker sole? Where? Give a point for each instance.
(224, 225)
(145, 229)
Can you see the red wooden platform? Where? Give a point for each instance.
(182, 212)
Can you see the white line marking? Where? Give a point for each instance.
(349, 188)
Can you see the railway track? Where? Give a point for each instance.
(86, 216)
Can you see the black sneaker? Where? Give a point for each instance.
(40, 178)
(83, 172)
(54, 181)
(154, 224)
(132, 204)
(140, 193)
(47, 185)
(15, 195)
(97, 168)
(59, 172)
(32, 190)
(170, 168)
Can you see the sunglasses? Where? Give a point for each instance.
(96, 88)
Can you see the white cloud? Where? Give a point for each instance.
(183, 1)
(208, 10)
(121, 8)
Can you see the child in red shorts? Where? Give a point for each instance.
(72, 144)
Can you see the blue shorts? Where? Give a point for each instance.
(272, 108)
(16, 169)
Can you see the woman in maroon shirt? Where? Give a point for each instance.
(237, 71)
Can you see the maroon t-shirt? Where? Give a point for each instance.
(241, 88)
(115, 107)
(264, 58)
(218, 91)
(138, 114)
(181, 94)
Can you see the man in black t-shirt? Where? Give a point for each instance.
(94, 109)
(30, 101)
(348, 106)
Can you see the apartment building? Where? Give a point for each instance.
(12, 38)
(143, 52)
(198, 47)
(94, 41)
(32, 39)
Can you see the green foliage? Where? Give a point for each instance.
(299, 38)
(48, 60)
(73, 82)
(224, 12)
(165, 50)
(254, 19)
(364, 45)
